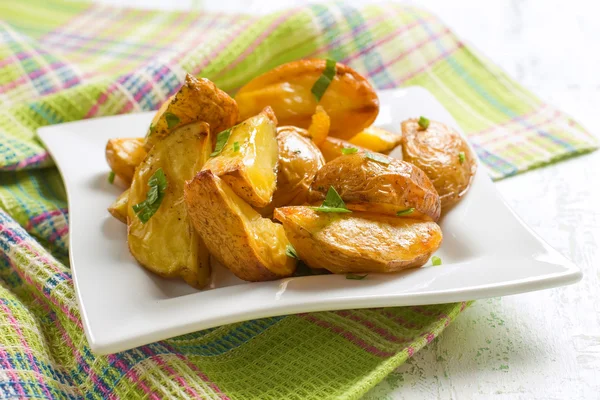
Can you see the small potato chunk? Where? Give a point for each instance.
(252, 247)
(358, 242)
(248, 161)
(299, 161)
(197, 100)
(118, 209)
(377, 139)
(319, 126)
(443, 154)
(385, 187)
(333, 148)
(167, 243)
(124, 155)
(350, 101)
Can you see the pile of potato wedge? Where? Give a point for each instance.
(288, 173)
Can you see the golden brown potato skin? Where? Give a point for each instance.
(350, 101)
(167, 243)
(358, 242)
(376, 139)
(436, 151)
(124, 155)
(332, 148)
(367, 185)
(252, 247)
(118, 209)
(197, 100)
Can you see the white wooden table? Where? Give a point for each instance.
(541, 345)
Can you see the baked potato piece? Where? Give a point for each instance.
(376, 139)
(118, 209)
(443, 154)
(196, 100)
(358, 242)
(248, 159)
(123, 155)
(333, 148)
(376, 183)
(299, 161)
(252, 247)
(165, 242)
(350, 101)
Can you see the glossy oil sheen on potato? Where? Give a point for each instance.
(118, 209)
(376, 139)
(358, 242)
(167, 243)
(251, 246)
(368, 185)
(333, 148)
(250, 167)
(123, 155)
(436, 150)
(350, 101)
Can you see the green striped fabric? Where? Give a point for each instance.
(63, 61)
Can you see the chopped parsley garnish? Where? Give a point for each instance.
(333, 203)
(408, 211)
(172, 120)
(111, 177)
(356, 277)
(236, 146)
(158, 185)
(290, 251)
(435, 261)
(221, 141)
(349, 150)
(151, 130)
(321, 85)
(380, 158)
(423, 122)
(461, 157)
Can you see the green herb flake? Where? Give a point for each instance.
(349, 150)
(111, 177)
(290, 251)
(435, 261)
(297, 151)
(151, 130)
(408, 211)
(423, 122)
(380, 158)
(356, 277)
(172, 120)
(321, 85)
(461, 157)
(158, 186)
(333, 203)
(236, 146)
(221, 142)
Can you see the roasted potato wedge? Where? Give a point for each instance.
(299, 161)
(197, 100)
(443, 154)
(252, 247)
(350, 101)
(358, 242)
(124, 155)
(248, 160)
(333, 148)
(167, 243)
(118, 209)
(388, 186)
(376, 139)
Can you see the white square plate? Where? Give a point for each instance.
(487, 251)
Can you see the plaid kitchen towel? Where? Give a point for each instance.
(63, 61)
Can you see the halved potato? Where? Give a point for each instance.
(252, 247)
(333, 148)
(388, 186)
(124, 155)
(377, 139)
(350, 101)
(248, 161)
(443, 154)
(118, 209)
(167, 243)
(358, 242)
(197, 100)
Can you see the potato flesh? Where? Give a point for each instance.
(368, 185)
(252, 247)
(118, 209)
(358, 242)
(436, 150)
(251, 170)
(350, 101)
(123, 155)
(377, 139)
(167, 243)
